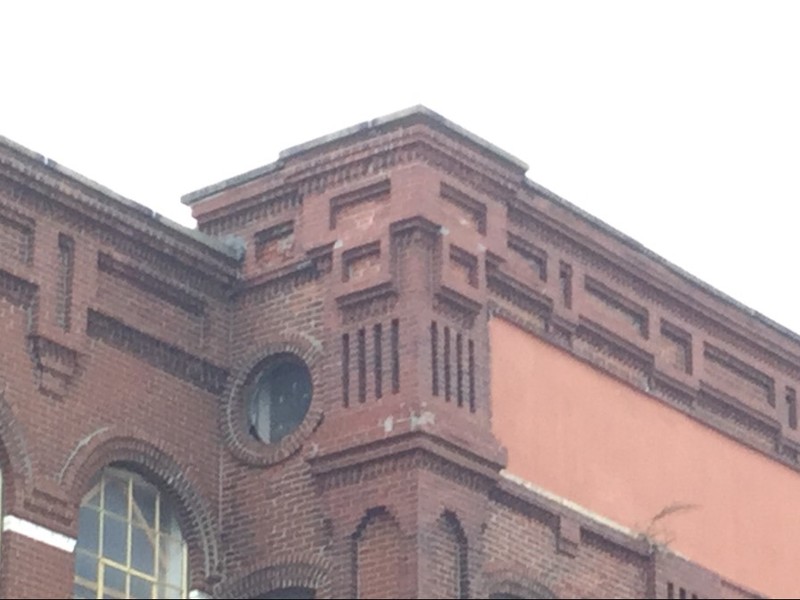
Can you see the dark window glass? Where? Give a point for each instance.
(280, 399)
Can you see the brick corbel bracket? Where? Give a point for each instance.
(55, 366)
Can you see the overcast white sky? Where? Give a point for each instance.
(677, 123)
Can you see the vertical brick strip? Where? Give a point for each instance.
(434, 359)
(565, 276)
(472, 376)
(447, 364)
(395, 356)
(378, 342)
(362, 365)
(346, 369)
(459, 369)
(66, 260)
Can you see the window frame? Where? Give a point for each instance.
(156, 533)
(262, 394)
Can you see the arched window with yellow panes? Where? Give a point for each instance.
(129, 542)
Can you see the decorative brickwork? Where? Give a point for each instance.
(379, 257)
(240, 442)
(311, 573)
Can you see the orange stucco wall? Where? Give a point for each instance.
(593, 440)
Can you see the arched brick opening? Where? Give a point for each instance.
(450, 555)
(508, 585)
(130, 451)
(296, 578)
(380, 556)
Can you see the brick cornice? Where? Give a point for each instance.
(286, 185)
(665, 567)
(629, 310)
(35, 180)
(481, 468)
(372, 136)
(603, 246)
(551, 510)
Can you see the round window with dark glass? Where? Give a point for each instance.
(279, 398)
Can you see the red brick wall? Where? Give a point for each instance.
(389, 488)
(31, 569)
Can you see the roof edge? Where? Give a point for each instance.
(654, 256)
(418, 111)
(215, 244)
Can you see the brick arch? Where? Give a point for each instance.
(451, 549)
(508, 584)
(378, 540)
(233, 408)
(14, 458)
(112, 445)
(369, 515)
(293, 572)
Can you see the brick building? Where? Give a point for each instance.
(386, 365)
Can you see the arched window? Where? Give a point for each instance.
(129, 543)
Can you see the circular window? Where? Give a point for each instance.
(279, 398)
